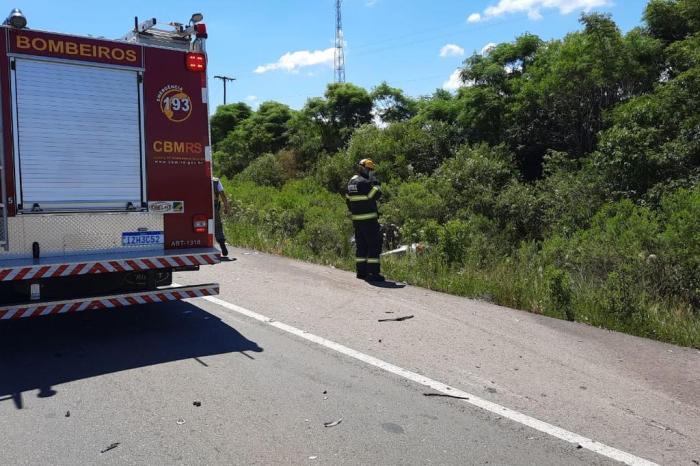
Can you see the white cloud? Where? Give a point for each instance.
(474, 18)
(488, 48)
(291, 62)
(454, 82)
(251, 98)
(533, 8)
(371, 3)
(451, 50)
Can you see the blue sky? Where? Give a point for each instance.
(398, 41)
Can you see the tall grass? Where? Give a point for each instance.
(305, 222)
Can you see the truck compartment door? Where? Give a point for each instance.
(77, 137)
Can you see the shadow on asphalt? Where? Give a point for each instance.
(43, 353)
(388, 284)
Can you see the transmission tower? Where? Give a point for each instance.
(339, 44)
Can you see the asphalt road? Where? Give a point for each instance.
(71, 387)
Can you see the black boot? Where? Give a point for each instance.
(376, 278)
(224, 249)
(361, 268)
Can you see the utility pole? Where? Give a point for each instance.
(225, 79)
(339, 44)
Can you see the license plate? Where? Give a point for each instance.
(143, 238)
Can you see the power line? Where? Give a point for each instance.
(370, 50)
(453, 27)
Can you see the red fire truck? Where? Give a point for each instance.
(105, 168)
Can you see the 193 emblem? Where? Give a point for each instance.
(175, 104)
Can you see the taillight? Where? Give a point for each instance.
(199, 223)
(195, 61)
(201, 30)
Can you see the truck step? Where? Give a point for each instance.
(28, 269)
(39, 309)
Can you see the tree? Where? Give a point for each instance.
(561, 100)
(348, 106)
(441, 106)
(345, 108)
(666, 20)
(482, 113)
(305, 141)
(264, 131)
(391, 105)
(227, 118)
(653, 145)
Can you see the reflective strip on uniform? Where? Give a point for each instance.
(356, 198)
(373, 261)
(360, 260)
(361, 217)
(373, 192)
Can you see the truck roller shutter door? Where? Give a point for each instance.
(78, 136)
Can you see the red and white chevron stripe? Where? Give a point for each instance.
(109, 266)
(109, 302)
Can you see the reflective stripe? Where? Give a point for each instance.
(360, 260)
(356, 198)
(374, 192)
(373, 261)
(361, 217)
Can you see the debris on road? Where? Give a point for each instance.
(442, 395)
(67, 413)
(111, 447)
(398, 319)
(197, 404)
(333, 424)
(201, 362)
(491, 390)
(180, 421)
(313, 457)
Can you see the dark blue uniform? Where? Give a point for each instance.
(362, 199)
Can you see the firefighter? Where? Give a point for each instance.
(363, 192)
(220, 198)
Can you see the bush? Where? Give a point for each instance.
(679, 250)
(265, 171)
(333, 172)
(470, 182)
(620, 233)
(325, 234)
(414, 201)
(559, 291)
(622, 294)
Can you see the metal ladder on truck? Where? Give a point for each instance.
(3, 205)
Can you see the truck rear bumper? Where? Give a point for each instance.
(38, 309)
(66, 266)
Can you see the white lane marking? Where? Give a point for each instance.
(549, 429)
